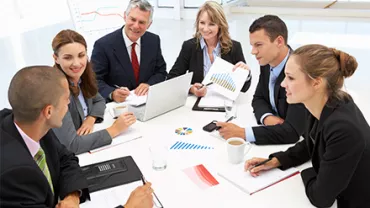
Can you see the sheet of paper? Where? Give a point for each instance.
(227, 82)
(200, 176)
(242, 179)
(111, 197)
(135, 100)
(132, 133)
(212, 98)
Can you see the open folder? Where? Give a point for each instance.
(246, 182)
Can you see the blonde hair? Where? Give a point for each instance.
(216, 15)
(328, 63)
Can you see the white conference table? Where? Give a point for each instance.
(172, 186)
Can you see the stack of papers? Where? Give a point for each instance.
(135, 100)
(242, 179)
(212, 99)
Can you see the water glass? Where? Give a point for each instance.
(230, 108)
(159, 155)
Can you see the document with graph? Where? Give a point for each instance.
(227, 82)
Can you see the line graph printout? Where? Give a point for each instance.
(96, 18)
(226, 82)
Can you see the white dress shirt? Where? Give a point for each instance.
(129, 43)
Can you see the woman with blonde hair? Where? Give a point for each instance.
(211, 40)
(337, 137)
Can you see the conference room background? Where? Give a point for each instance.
(29, 26)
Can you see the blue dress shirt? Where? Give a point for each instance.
(206, 59)
(274, 74)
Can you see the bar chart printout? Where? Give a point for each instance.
(179, 145)
(226, 81)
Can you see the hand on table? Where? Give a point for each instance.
(142, 89)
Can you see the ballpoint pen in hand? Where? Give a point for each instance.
(157, 203)
(259, 164)
(228, 120)
(205, 85)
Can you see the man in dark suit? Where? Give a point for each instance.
(36, 170)
(129, 58)
(282, 123)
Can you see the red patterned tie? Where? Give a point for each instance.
(135, 63)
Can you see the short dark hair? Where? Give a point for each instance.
(272, 25)
(32, 88)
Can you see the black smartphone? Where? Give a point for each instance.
(211, 126)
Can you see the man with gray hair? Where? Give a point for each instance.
(129, 58)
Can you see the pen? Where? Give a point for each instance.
(205, 85)
(231, 118)
(160, 204)
(260, 163)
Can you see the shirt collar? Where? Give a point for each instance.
(277, 69)
(203, 44)
(31, 144)
(73, 84)
(127, 40)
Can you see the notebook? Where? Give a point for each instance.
(242, 179)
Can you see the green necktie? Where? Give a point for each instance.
(40, 159)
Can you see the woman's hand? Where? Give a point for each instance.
(87, 126)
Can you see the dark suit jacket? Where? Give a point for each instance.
(112, 63)
(339, 146)
(293, 114)
(22, 182)
(191, 59)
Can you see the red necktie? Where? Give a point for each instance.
(135, 63)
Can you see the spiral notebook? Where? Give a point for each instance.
(242, 179)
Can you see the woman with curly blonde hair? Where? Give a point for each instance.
(211, 40)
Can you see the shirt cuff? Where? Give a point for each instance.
(249, 134)
(264, 116)
(110, 96)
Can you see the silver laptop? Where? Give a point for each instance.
(164, 97)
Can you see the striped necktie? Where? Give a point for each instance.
(40, 159)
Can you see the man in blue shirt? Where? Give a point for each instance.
(282, 123)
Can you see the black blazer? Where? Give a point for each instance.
(22, 182)
(191, 59)
(293, 114)
(112, 63)
(339, 146)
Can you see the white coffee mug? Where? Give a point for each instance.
(237, 148)
(118, 110)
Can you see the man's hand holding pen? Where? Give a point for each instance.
(120, 94)
(141, 197)
(228, 130)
